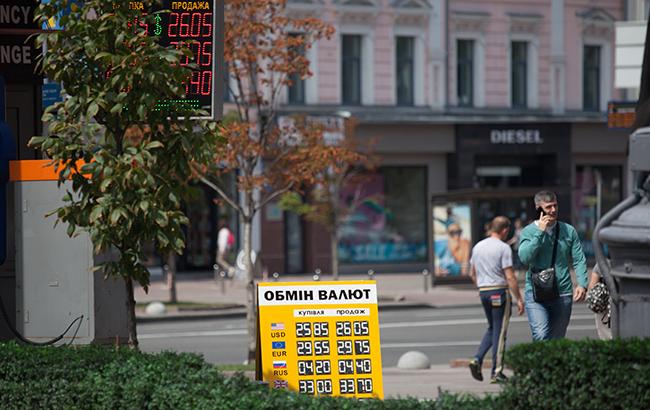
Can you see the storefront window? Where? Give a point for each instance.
(597, 190)
(388, 223)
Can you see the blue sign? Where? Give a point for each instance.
(7, 153)
(51, 94)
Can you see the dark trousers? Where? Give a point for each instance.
(497, 305)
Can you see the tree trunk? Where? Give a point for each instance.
(130, 315)
(334, 254)
(171, 277)
(251, 308)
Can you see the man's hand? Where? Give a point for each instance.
(579, 293)
(520, 307)
(544, 221)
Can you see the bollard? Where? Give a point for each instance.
(425, 275)
(275, 276)
(371, 274)
(317, 273)
(222, 281)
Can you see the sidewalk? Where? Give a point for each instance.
(395, 291)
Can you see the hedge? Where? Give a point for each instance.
(585, 374)
(93, 377)
(562, 374)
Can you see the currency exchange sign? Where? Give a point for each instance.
(321, 338)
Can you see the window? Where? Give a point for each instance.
(389, 214)
(404, 57)
(519, 74)
(297, 86)
(351, 69)
(465, 72)
(591, 78)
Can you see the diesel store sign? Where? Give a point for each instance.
(17, 51)
(515, 136)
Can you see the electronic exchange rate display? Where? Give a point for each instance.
(197, 26)
(321, 338)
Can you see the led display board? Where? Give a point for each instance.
(198, 26)
(321, 338)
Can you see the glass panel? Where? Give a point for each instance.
(351, 69)
(404, 51)
(465, 72)
(388, 224)
(591, 78)
(519, 66)
(597, 190)
(297, 87)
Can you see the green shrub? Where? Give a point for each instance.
(93, 377)
(586, 374)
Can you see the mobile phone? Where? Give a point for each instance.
(541, 211)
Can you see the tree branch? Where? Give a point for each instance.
(273, 196)
(221, 193)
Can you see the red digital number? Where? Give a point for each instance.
(207, 24)
(206, 54)
(194, 84)
(173, 24)
(184, 27)
(144, 24)
(206, 82)
(195, 25)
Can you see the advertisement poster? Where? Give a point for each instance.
(386, 222)
(452, 236)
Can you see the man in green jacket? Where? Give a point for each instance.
(550, 319)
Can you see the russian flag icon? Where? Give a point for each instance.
(280, 364)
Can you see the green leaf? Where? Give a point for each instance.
(161, 219)
(115, 216)
(96, 213)
(154, 144)
(93, 108)
(117, 108)
(144, 205)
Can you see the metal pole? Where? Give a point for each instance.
(222, 280)
(317, 273)
(276, 275)
(371, 274)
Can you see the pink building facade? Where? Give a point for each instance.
(475, 105)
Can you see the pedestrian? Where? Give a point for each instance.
(599, 301)
(225, 244)
(547, 246)
(491, 270)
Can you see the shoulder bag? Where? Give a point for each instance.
(544, 282)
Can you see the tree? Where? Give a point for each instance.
(264, 54)
(127, 157)
(338, 194)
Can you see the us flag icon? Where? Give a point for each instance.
(280, 384)
(277, 326)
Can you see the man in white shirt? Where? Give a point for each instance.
(225, 242)
(491, 270)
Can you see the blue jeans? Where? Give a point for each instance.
(497, 306)
(548, 320)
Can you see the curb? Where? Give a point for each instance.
(240, 312)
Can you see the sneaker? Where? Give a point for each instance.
(499, 378)
(475, 369)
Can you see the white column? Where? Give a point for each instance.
(558, 57)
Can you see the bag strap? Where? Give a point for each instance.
(557, 237)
